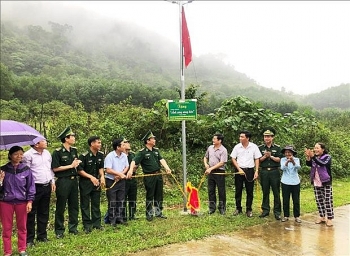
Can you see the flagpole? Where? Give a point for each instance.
(183, 122)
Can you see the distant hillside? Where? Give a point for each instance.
(72, 43)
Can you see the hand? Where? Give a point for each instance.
(168, 171)
(75, 163)
(2, 175)
(129, 175)
(29, 207)
(207, 171)
(267, 154)
(206, 166)
(102, 182)
(240, 171)
(256, 175)
(53, 187)
(95, 181)
(122, 176)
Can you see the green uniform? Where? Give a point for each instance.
(130, 194)
(66, 189)
(90, 194)
(150, 163)
(270, 177)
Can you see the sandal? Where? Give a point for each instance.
(297, 220)
(284, 219)
(329, 223)
(320, 220)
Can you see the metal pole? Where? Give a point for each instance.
(183, 122)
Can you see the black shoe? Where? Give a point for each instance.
(278, 217)
(211, 212)
(249, 214)
(59, 236)
(161, 216)
(42, 240)
(122, 222)
(133, 218)
(222, 212)
(149, 218)
(87, 230)
(30, 244)
(74, 232)
(98, 228)
(237, 212)
(263, 215)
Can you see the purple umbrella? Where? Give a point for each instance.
(15, 133)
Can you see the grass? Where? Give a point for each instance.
(141, 234)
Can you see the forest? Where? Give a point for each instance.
(51, 78)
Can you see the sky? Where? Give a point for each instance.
(301, 46)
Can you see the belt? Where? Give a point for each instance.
(269, 168)
(42, 185)
(68, 177)
(245, 169)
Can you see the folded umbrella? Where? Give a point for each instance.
(13, 133)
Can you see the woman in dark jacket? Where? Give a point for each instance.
(18, 190)
(321, 178)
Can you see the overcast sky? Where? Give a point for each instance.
(301, 46)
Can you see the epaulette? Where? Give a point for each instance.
(74, 147)
(100, 152)
(261, 145)
(277, 145)
(156, 148)
(58, 149)
(85, 153)
(142, 149)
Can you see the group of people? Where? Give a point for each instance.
(29, 178)
(266, 162)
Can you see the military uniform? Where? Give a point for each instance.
(150, 163)
(270, 177)
(91, 164)
(130, 193)
(66, 189)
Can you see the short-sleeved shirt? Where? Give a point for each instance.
(40, 164)
(116, 163)
(90, 163)
(62, 157)
(149, 159)
(216, 156)
(245, 156)
(275, 151)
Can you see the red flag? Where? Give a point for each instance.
(186, 41)
(193, 201)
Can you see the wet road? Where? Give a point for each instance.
(273, 238)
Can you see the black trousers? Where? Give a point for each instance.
(248, 181)
(287, 191)
(154, 195)
(216, 180)
(39, 213)
(115, 196)
(129, 206)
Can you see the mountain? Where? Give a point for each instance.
(64, 43)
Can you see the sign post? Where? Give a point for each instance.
(179, 110)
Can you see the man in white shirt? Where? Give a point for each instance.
(245, 157)
(38, 158)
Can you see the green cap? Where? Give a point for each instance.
(269, 131)
(68, 131)
(148, 135)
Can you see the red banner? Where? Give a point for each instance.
(186, 41)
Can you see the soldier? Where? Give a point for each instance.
(91, 179)
(64, 164)
(129, 206)
(151, 160)
(270, 176)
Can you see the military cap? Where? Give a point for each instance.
(290, 148)
(269, 131)
(148, 135)
(66, 132)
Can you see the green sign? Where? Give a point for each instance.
(179, 110)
